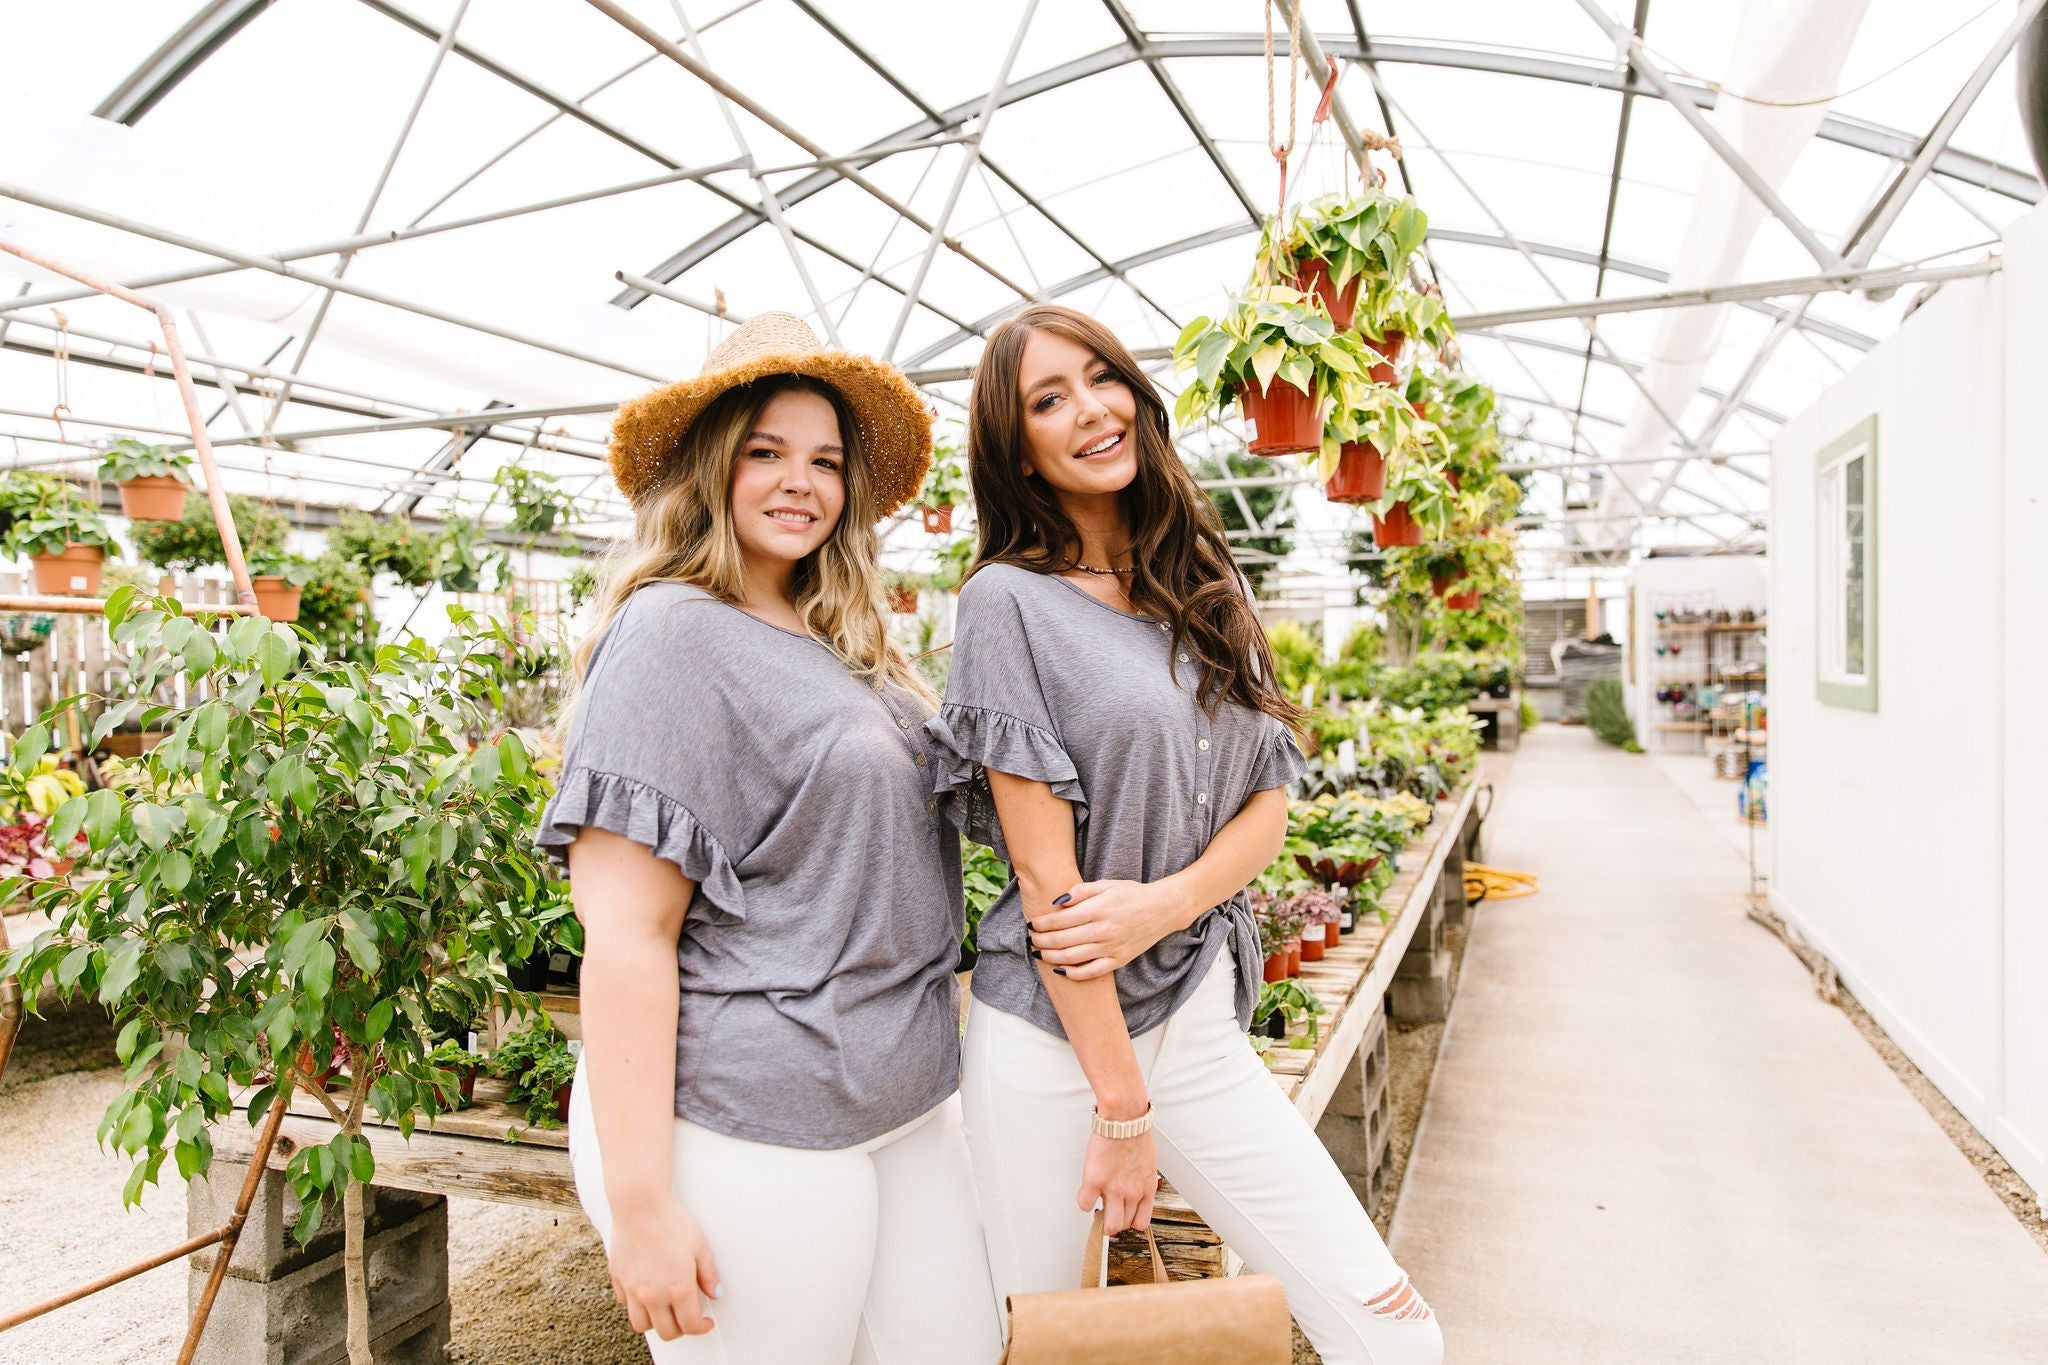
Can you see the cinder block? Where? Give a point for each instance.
(1422, 995)
(282, 1304)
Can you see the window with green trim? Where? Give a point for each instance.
(1846, 561)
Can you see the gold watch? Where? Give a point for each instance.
(1122, 1128)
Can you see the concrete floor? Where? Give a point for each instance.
(1648, 1141)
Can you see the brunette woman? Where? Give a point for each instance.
(1112, 716)
(763, 1126)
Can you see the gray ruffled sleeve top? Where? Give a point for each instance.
(819, 1007)
(1050, 684)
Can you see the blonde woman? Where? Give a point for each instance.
(764, 1126)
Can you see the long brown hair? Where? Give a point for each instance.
(683, 533)
(1183, 571)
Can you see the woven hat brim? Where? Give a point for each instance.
(895, 425)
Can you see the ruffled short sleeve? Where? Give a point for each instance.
(649, 755)
(1281, 760)
(995, 715)
(589, 799)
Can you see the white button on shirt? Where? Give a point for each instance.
(1202, 744)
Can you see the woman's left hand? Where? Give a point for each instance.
(1104, 925)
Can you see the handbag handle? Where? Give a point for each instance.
(1095, 1258)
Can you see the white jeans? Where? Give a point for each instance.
(1227, 1139)
(870, 1254)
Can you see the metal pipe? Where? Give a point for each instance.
(1626, 39)
(318, 281)
(1879, 278)
(937, 232)
(231, 541)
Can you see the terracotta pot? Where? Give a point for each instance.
(153, 497)
(903, 601)
(562, 1100)
(1313, 277)
(1312, 947)
(939, 520)
(1457, 480)
(276, 598)
(1389, 346)
(1463, 601)
(1276, 967)
(1294, 957)
(1283, 418)
(1396, 526)
(74, 573)
(1361, 474)
(1439, 582)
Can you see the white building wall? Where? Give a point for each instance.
(1902, 837)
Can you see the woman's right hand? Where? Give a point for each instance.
(660, 1266)
(1124, 1174)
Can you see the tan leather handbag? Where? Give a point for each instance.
(1241, 1320)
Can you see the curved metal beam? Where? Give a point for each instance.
(178, 57)
(2010, 181)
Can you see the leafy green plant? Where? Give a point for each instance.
(1607, 714)
(386, 545)
(40, 513)
(314, 858)
(129, 458)
(297, 570)
(580, 585)
(539, 506)
(983, 876)
(457, 1060)
(1431, 499)
(1420, 317)
(1531, 717)
(534, 1062)
(1379, 414)
(334, 608)
(954, 559)
(1270, 332)
(946, 484)
(463, 554)
(193, 541)
(1294, 1002)
(1369, 237)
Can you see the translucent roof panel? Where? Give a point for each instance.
(1123, 171)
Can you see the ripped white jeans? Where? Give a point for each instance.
(1227, 1139)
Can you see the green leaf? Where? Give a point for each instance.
(210, 725)
(118, 602)
(199, 654)
(1266, 363)
(362, 1162)
(136, 1128)
(484, 766)
(155, 824)
(304, 788)
(193, 1155)
(252, 838)
(124, 1046)
(275, 654)
(318, 978)
(32, 744)
(299, 946)
(361, 944)
(124, 964)
(378, 1021)
(174, 869)
(66, 822)
(211, 829)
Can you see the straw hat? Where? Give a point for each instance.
(895, 426)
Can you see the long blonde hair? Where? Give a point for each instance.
(683, 533)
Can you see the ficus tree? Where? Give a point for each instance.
(321, 858)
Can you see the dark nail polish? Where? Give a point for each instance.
(1064, 899)
(1028, 928)
(1036, 953)
(1059, 971)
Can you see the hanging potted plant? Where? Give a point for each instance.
(1372, 424)
(278, 581)
(193, 541)
(1415, 505)
(1276, 356)
(1403, 314)
(902, 589)
(1349, 252)
(66, 542)
(538, 504)
(151, 478)
(945, 487)
(462, 553)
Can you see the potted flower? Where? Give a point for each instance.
(463, 1066)
(151, 479)
(1278, 927)
(1319, 914)
(61, 532)
(1277, 356)
(945, 487)
(1335, 245)
(278, 581)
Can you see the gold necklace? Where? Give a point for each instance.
(1090, 568)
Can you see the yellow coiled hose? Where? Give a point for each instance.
(1484, 883)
